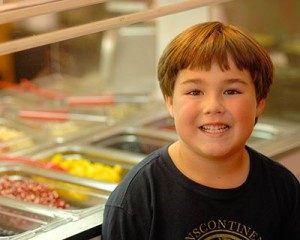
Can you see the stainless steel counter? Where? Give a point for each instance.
(127, 143)
(72, 228)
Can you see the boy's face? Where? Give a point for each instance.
(214, 111)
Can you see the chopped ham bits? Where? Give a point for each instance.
(30, 191)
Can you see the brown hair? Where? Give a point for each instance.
(201, 44)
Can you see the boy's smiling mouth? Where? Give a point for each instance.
(214, 128)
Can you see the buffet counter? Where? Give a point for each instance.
(84, 170)
(86, 228)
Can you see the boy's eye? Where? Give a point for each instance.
(194, 92)
(232, 92)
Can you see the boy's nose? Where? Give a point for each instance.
(213, 105)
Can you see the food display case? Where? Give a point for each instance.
(35, 200)
(80, 105)
(17, 221)
(142, 141)
(16, 137)
(90, 162)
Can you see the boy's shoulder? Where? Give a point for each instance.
(270, 169)
(144, 166)
(139, 176)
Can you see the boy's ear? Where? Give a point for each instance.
(169, 103)
(260, 107)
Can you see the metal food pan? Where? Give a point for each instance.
(268, 131)
(165, 123)
(137, 140)
(69, 128)
(21, 138)
(59, 131)
(95, 155)
(82, 195)
(19, 220)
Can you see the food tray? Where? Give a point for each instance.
(82, 195)
(95, 155)
(137, 140)
(19, 220)
(15, 137)
(165, 123)
(60, 131)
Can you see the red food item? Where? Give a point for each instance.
(30, 191)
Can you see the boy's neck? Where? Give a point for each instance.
(222, 173)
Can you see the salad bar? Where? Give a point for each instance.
(58, 166)
(61, 189)
(35, 200)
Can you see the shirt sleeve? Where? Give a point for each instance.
(128, 211)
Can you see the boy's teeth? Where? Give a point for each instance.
(214, 128)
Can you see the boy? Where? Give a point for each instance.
(209, 184)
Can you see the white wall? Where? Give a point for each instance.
(168, 27)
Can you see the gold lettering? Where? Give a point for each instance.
(238, 227)
(231, 224)
(212, 225)
(203, 228)
(221, 224)
(245, 230)
(196, 232)
(190, 237)
(253, 235)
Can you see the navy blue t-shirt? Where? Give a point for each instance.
(155, 201)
